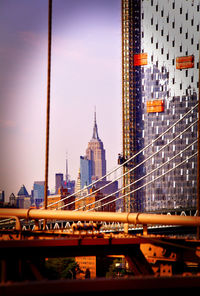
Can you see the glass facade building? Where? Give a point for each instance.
(38, 193)
(160, 61)
(85, 171)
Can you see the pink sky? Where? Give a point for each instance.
(86, 72)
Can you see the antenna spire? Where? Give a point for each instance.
(95, 129)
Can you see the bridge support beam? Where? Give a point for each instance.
(130, 218)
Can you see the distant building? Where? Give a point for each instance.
(58, 181)
(69, 202)
(85, 171)
(88, 266)
(95, 202)
(83, 204)
(78, 184)
(13, 200)
(2, 196)
(93, 164)
(38, 193)
(93, 167)
(69, 185)
(23, 198)
(56, 198)
(111, 187)
(96, 154)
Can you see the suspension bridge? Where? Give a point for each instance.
(141, 238)
(157, 259)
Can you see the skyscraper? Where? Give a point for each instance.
(160, 60)
(58, 181)
(85, 171)
(96, 154)
(23, 198)
(38, 193)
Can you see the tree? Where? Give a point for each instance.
(62, 268)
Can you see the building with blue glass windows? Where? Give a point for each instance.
(38, 193)
(160, 73)
(85, 171)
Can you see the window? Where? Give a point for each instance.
(156, 45)
(197, 28)
(173, 24)
(156, 27)
(167, 37)
(181, 30)
(181, 10)
(152, 39)
(173, 5)
(152, 21)
(162, 32)
(186, 16)
(180, 86)
(156, 7)
(186, 35)
(192, 22)
(173, 43)
(162, 50)
(181, 48)
(162, 13)
(168, 19)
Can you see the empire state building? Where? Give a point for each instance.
(96, 154)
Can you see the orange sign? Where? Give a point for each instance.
(140, 59)
(155, 106)
(185, 62)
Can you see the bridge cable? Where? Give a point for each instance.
(134, 168)
(132, 157)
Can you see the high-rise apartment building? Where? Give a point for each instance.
(160, 61)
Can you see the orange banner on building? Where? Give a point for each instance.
(185, 62)
(140, 59)
(155, 106)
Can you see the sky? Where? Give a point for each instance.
(86, 73)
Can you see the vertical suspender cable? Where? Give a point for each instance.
(48, 104)
(198, 156)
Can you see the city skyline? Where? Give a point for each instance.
(86, 58)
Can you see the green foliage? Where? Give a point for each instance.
(115, 269)
(62, 268)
